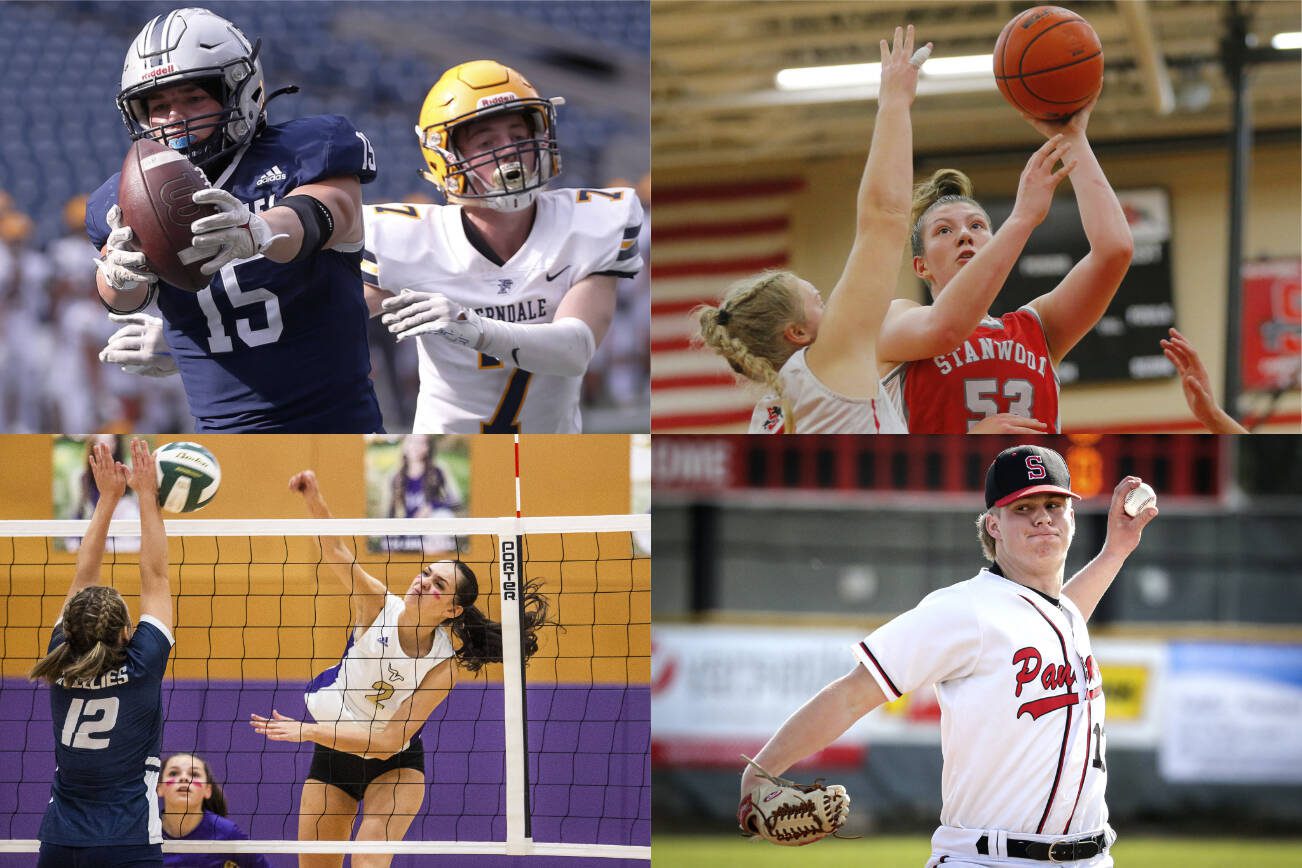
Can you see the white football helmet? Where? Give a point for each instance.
(194, 45)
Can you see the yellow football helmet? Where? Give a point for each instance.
(516, 171)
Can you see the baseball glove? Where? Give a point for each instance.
(789, 813)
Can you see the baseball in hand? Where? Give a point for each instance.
(1139, 499)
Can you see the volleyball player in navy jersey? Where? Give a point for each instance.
(277, 341)
(106, 690)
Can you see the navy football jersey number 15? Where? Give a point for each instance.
(108, 733)
(271, 346)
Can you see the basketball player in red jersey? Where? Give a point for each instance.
(954, 368)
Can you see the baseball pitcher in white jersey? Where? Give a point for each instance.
(510, 288)
(1022, 706)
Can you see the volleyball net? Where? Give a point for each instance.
(547, 759)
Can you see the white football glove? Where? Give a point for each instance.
(123, 266)
(233, 234)
(139, 346)
(411, 313)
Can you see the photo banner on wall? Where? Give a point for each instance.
(1272, 325)
(417, 476)
(75, 492)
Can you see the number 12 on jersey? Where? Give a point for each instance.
(86, 720)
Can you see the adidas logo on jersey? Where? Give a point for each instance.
(271, 176)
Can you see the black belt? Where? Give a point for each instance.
(1058, 851)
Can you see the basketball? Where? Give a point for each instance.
(188, 476)
(1048, 62)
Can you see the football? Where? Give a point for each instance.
(188, 476)
(154, 195)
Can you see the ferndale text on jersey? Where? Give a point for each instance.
(112, 678)
(991, 349)
(520, 311)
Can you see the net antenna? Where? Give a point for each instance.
(510, 555)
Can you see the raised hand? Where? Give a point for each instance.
(1039, 178)
(1197, 386)
(1072, 126)
(110, 476)
(144, 475)
(900, 66)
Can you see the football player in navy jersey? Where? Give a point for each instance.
(277, 341)
(106, 690)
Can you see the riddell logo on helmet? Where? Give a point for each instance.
(498, 99)
(162, 70)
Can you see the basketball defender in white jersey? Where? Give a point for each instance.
(818, 362)
(509, 287)
(1008, 654)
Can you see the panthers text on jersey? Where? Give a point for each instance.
(1002, 367)
(272, 347)
(107, 736)
(576, 233)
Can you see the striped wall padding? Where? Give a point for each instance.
(705, 237)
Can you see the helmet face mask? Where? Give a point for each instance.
(197, 47)
(506, 177)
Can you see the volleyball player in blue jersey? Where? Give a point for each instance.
(277, 341)
(106, 690)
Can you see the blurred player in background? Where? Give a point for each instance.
(106, 683)
(510, 287)
(949, 363)
(1197, 386)
(277, 341)
(194, 809)
(1021, 697)
(25, 346)
(398, 666)
(820, 365)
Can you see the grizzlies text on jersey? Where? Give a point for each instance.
(576, 233)
(274, 346)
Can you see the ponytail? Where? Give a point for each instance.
(93, 622)
(747, 328)
(480, 639)
(943, 187)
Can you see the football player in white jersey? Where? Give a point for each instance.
(509, 287)
(1008, 654)
(398, 666)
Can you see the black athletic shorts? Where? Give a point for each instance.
(352, 773)
(116, 856)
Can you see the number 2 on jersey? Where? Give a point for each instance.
(86, 720)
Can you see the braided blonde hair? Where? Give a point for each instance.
(943, 187)
(93, 622)
(748, 325)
